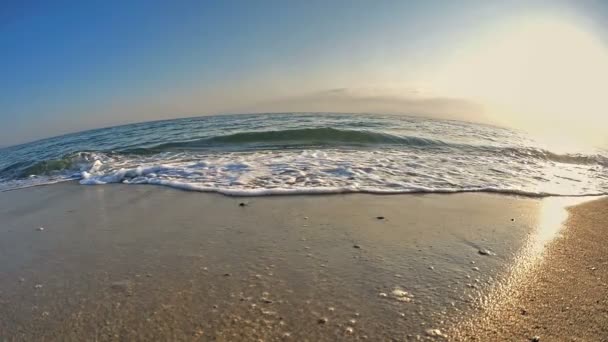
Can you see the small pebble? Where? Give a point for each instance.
(431, 268)
(306, 217)
(382, 294)
(434, 333)
(535, 339)
(475, 268)
(356, 246)
(402, 296)
(331, 308)
(350, 330)
(242, 204)
(40, 229)
(226, 274)
(38, 286)
(322, 320)
(380, 217)
(484, 252)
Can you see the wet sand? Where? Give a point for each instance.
(147, 263)
(563, 297)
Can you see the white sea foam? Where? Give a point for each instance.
(389, 171)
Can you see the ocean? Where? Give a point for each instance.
(309, 153)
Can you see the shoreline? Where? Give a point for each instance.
(139, 263)
(325, 191)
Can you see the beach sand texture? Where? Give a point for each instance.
(150, 263)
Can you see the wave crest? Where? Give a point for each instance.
(298, 138)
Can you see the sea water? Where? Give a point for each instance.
(309, 153)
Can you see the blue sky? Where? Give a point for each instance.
(75, 65)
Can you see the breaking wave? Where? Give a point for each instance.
(300, 138)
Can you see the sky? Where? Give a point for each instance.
(72, 65)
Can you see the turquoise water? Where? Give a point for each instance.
(263, 154)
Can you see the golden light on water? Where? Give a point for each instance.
(552, 216)
(550, 221)
(545, 75)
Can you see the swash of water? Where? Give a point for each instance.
(266, 154)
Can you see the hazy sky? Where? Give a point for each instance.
(73, 65)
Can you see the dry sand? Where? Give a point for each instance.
(564, 297)
(148, 263)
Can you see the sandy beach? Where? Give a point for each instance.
(147, 263)
(563, 297)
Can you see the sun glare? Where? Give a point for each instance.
(546, 76)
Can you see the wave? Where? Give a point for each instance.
(75, 162)
(333, 137)
(307, 137)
